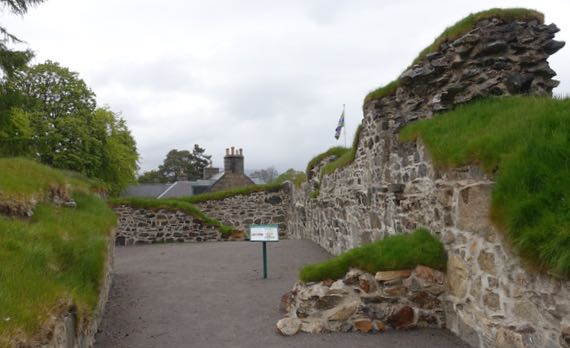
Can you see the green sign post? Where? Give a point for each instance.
(264, 234)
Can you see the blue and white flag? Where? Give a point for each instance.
(340, 125)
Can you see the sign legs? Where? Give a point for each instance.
(264, 260)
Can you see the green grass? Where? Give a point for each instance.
(171, 204)
(53, 261)
(24, 179)
(296, 177)
(526, 141)
(347, 158)
(337, 151)
(454, 32)
(389, 254)
(216, 196)
(314, 194)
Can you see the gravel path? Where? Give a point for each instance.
(212, 295)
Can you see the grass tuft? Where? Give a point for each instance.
(337, 151)
(389, 254)
(455, 31)
(526, 140)
(170, 204)
(296, 177)
(347, 158)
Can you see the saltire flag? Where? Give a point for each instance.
(340, 125)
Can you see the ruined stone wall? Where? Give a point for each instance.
(393, 187)
(146, 226)
(255, 208)
(364, 302)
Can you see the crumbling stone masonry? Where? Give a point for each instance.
(492, 300)
(146, 226)
(367, 303)
(254, 208)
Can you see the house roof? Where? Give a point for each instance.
(176, 189)
(145, 190)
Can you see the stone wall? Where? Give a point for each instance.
(363, 302)
(393, 187)
(146, 226)
(255, 208)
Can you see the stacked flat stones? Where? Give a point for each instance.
(366, 303)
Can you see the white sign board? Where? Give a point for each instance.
(264, 233)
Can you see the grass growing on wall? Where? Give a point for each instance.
(337, 151)
(347, 158)
(455, 31)
(389, 254)
(215, 196)
(171, 204)
(526, 140)
(53, 260)
(24, 179)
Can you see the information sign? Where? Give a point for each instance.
(264, 233)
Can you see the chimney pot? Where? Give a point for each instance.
(233, 150)
(241, 152)
(227, 152)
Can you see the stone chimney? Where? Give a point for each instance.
(233, 161)
(210, 172)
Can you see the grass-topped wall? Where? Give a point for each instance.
(526, 142)
(455, 31)
(389, 254)
(173, 205)
(54, 260)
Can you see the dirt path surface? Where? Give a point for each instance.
(212, 295)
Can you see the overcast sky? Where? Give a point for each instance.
(268, 76)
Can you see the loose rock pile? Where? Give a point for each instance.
(366, 303)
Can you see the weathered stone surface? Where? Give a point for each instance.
(428, 274)
(508, 338)
(312, 326)
(473, 208)
(363, 325)
(492, 301)
(343, 312)
(344, 306)
(391, 275)
(286, 302)
(288, 326)
(486, 262)
(457, 276)
(402, 319)
(565, 335)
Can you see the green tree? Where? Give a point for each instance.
(179, 164)
(267, 175)
(151, 177)
(118, 150)
(61, 107)
(12, 60)
(51, 107)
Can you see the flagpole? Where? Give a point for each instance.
(344, 128)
